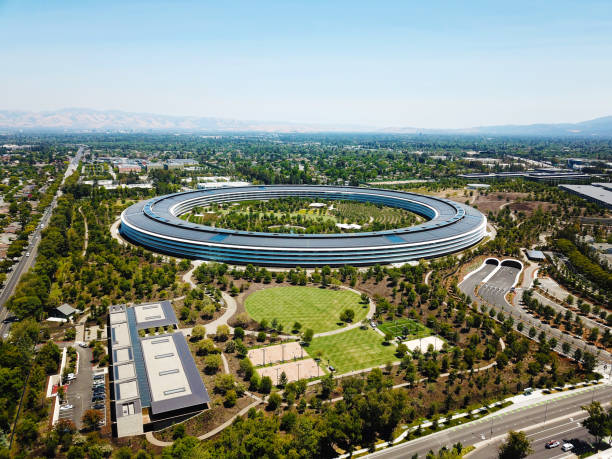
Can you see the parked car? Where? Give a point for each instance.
(65, 407)
(98, 406)
(98, 376)
(552, 444)
(567, 447)
(82, 344)
(98, 398)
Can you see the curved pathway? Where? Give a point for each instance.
(86, 241)
(368, 316)
(114, 229)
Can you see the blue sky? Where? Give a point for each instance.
(407, 63)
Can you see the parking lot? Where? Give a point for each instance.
(81, 390)
(495, 289)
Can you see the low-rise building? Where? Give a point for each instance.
(155, 381)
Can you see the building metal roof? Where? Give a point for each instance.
(66, 309)
(158, 219)
(156, 372)
(536, 255)
(599, 194)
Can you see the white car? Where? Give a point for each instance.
(82, 344)
(27, 254)
(567, 447)
(65, 407)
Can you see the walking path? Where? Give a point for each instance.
(85, 242)
(368, 316)
(427, 277)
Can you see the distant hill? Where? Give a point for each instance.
(86, 120)
(598, 127)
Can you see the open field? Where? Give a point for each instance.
(300, 369)
(314, 308)
(352, 350)
(405, 327)
(274, 354)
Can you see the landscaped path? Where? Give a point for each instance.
(85, 242)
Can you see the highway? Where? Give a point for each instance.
(26, 262)
(556, 420)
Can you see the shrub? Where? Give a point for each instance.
(198, 332)
(212, 363)
(224, 382)
(230, 398)
(205, 347)
(238, 333)
(230, 347)
(242, 320)
(178, 431)
(223, 332)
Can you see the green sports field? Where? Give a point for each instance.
(314, 308)
(352, 350)
(404, 326)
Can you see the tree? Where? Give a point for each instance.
(274, 401)
(598, 423)
(265, 386)
(283, 379)
(296, 327)
(308, 335)
(327, 385)
(347, 315)
(517, 445)
(91, 418)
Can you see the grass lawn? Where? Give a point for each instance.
(352, 350)
(404, 326)
(314, 308)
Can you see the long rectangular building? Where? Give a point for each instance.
(155, 381)
(599, 193)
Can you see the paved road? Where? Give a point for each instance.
(495, 289)
(468, 285)
(25, 263)
(494, 296)
(557, 414)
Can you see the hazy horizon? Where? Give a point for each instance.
(440, 65)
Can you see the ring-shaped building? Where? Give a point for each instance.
(155, 224)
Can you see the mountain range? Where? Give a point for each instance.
(87, 120)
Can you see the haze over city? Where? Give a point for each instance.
(391, 64)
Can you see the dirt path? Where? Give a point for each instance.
(86, 233)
